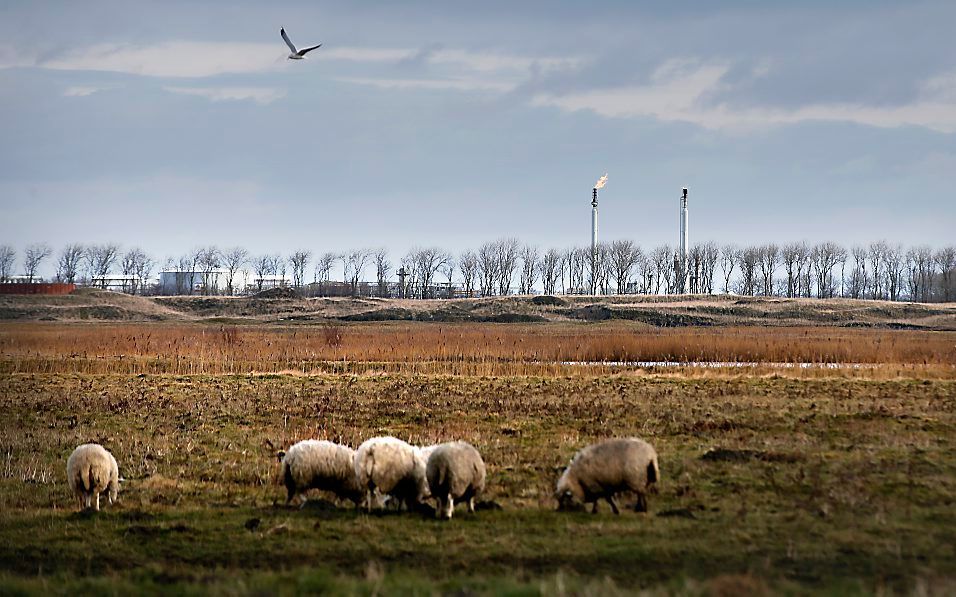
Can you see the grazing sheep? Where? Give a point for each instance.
(423, 453)
(90, 471)
(606, 468)
(455, 471)
(391, 466)
(320, 464)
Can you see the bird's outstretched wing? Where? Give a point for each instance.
(305, 51)
(288, 42)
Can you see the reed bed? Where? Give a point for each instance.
(462, 349)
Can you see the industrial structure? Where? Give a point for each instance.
(684, 246)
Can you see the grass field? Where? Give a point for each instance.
(834, 482)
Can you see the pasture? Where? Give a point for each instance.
(796, 481)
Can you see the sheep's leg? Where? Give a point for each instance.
(471, 504)
(446, 506)
(88, 500)
(368, 501)
(594, 507)
(610, 500)
(641, 505)
(97, 502)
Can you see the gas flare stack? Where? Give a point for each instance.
(684, 246)
(594, 214)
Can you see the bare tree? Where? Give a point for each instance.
(825, 256)
(729, 257)
(624, 255)
(804, 265)
(209, 261)
(506, 254)
(142, 269)
(8, 256)
(448, 269)
(382, 268)
(769, 256)
(69, 263)
(895, 260)
(790, 257)
(33, 257)
(298, 260)
(530, 264)
(749, 259)
(660, 257)
(262, 266)
(100, 260)
(323, 267)
(709, 255)
(923, 260)
(129, 265)
(945, 259)
(425, 263)
(353, 264)
(877, 257)
(577, 268)
(858, 277)
(468, 265)
(488, 268)
(233, 259)
(551, 266)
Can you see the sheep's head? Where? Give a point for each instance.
(565, 493)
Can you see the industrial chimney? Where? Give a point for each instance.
(684, 247)
(594, 202)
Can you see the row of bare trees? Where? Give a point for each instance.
(880, 270)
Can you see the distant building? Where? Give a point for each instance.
(244, 281)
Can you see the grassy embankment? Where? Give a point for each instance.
(832, 484)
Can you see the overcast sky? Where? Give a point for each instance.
(173, 124)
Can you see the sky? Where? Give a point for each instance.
(171, 124)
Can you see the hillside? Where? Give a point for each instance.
(660, 311)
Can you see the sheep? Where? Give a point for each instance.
(90, 471)
(320, 464)
(455, 471)
(391, 466)
(601, 470)
(424, 452)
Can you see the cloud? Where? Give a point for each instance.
(260, 95)
(460, 70)
(82, 91)
(170, 59)
(432, 84)
(691, 91)
(188, 59)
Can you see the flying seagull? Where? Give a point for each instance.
(296, 54)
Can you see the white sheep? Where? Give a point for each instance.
(320, 464)
(393, 467)
(604, 469)
(455, 471)
(90, 471)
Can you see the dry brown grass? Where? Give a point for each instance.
(469, 349)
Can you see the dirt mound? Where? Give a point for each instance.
(276, 293)
(657, 318)
(548, 301)
(450, 315)
(84, 304)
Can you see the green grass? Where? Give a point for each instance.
(825, 486)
